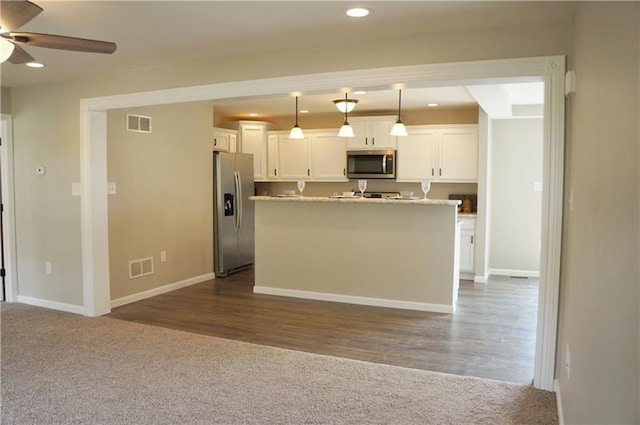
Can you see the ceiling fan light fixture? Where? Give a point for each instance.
(296, 131)
(345, 105)
(6, 49)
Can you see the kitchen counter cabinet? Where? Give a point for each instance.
(381, 252)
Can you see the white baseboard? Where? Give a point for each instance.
(467, 276)
(480, 279)
(515, 273)
(161, 290)
(54, 305)
(350, 299)
(556, 388)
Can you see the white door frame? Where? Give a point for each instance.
(93, 169)
(9, 216)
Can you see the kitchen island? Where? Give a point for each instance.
(400, 253)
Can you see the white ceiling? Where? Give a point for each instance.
(154, 33)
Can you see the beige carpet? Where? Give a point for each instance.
(60, 368)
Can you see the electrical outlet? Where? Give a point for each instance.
(163, 256)
(47, 267)
(567, 362)
(111, 188)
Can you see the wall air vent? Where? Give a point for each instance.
(138, 123)
(139, 268)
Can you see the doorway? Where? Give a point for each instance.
(95, 252)
(7, 216)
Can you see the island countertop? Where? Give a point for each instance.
(357, 199)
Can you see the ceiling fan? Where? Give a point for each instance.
(16, 13)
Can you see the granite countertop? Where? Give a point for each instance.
(355, 199)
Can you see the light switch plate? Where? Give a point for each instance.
(111, 188)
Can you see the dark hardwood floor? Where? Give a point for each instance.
(491, 335)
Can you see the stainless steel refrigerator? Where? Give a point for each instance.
(233, 221)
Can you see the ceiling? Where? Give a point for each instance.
(155, 33)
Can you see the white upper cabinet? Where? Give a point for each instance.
(329, 157)
(416, 155)
(321, 155)
(444, 154)
(458, 155)
(294, 158)
(253, 140)
(224, 140)
(372, 133)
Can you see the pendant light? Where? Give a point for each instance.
(398, 128)
(345, 105)
(346, 130)
(296, 131)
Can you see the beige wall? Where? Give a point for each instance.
(599, 298)
(164, 196)
(5, 100)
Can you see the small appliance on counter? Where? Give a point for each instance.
(469, 202)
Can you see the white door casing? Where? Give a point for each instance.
(551, 70)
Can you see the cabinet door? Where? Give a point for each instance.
(220, 142)
(253, 140)
(329, 157)
(466, 251)
(458, 155)
(416, 156)
(294, 158)
(233, 145)
(272, 158)
(362, 139)
(380, 137)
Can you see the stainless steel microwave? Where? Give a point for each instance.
(376, 164)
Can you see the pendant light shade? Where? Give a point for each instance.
(398, 128)
(346, 130)
(296, 131)
(345, 105)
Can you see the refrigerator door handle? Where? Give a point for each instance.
(240, 200)
(236, 183)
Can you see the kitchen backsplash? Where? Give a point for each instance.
(438, 190)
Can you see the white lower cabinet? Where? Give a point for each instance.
(467, 246)
(439, 153)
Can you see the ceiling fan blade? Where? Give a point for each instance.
(20, 56)
(63, 43)
(16, 13)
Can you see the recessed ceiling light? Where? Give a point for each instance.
(359, 92)
(35, 65)
(253, 114)
(304, 111)
(358, 12)
(432, 104)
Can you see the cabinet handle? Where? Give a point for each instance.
(366, 139)
(215, 142)
(344, 171)
(373, 141)
(471, 238)
(440, 172)
(308, 171)
(275, 171)
(433, 172)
